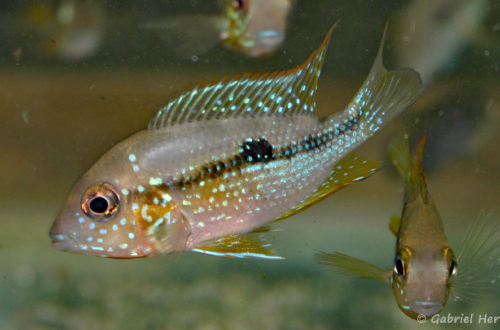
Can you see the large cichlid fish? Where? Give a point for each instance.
(425, 268)
(226, 158)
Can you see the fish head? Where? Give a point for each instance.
(256, 27)
(96, 218)
(109, 213)
(421, 280)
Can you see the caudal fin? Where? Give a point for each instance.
(382, 96)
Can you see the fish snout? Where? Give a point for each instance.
(59, 241)
(427, 308)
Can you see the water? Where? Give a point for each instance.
(59, 116)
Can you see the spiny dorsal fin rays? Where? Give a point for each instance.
(419, 168)
(348, 265)
(285, 92)
(409, 168)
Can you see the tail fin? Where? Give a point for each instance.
(410, 170)
(383, 95)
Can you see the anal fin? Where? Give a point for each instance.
(350, 169)
(239, 246)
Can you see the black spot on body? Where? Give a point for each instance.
(255, 151)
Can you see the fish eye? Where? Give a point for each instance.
(453, 268)
(240, 4)
(100, 202)
(399, 266)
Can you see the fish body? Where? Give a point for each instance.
(226, 158)
(74, 28)
(431, 33)
(425, 267)
(424, 261)
(459, 121)
(254, 28)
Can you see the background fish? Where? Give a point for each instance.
(255, 28)
(425, 267)
(70, 30)
(430, 34)
(225, 158)
(459, 121)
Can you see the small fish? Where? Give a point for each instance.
(425, 267)
(459, 121)
(69, 30)
(431, 33)
(255, 28)
(224, 159)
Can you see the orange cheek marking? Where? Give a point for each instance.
(152, 207)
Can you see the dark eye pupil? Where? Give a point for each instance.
(452, 267)
(99, 205)
(239, 4)
(399, 267)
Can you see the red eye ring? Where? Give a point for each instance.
(100, 202)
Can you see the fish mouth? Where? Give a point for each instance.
(427, 308)
(62, 242)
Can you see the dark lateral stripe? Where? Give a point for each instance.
(261, 151)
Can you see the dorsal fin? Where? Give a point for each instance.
(420, 168)
(286, 92)
(410, 168)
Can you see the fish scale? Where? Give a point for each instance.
(225, 158)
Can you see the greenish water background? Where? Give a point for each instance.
(58, 117)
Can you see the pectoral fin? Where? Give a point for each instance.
(394, 224)
(352, 266)
(239, 246)
(348, 170)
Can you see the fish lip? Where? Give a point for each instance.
(427, 303)
(427, 308)
(62, 242)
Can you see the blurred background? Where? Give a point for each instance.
(77, 76)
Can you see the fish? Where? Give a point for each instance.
(459, 120)
(430, 34)
(426, 271)
(227, 158)
(68, 30)
(254, 28)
